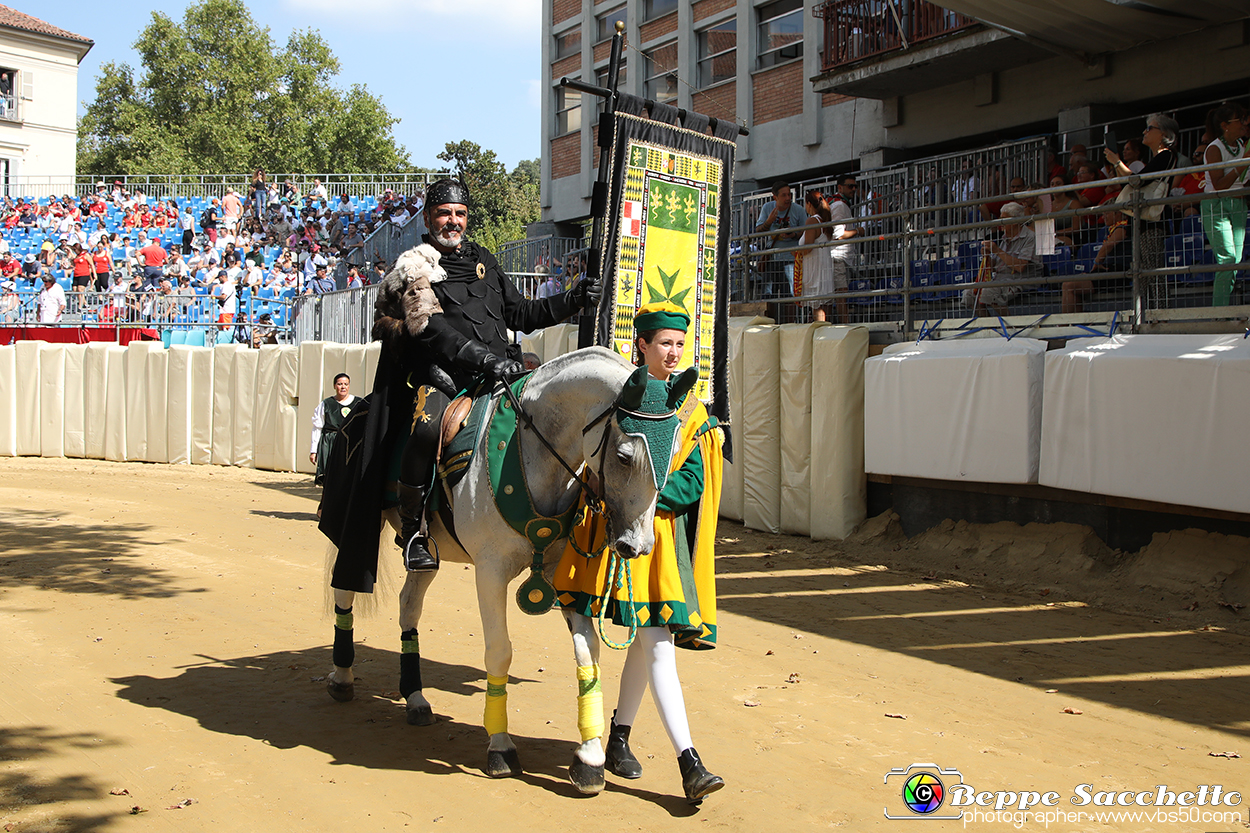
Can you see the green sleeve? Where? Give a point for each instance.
(684, 486)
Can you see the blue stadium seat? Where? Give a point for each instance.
(948, 265)
(969, 254)
(1060, 263)
(927, 280)
(1191, 225)
(895, 283)
(1084, 260)
(861, 285)
(1188, 250)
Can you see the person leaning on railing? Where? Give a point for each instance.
(1160, 136)
(1224, 218)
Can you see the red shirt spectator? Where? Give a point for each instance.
(82, 265)
(145, 217)
(103, 262)
(9, 267)
(98, 207)
(153, 255)
(130, 220)
(160, 220)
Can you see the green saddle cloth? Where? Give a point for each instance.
(496, 416)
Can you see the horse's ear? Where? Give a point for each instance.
(681, 385)
(635, 387)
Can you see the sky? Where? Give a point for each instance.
(481, 55)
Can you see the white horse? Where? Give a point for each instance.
(563, 397)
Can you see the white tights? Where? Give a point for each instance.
(652, 659)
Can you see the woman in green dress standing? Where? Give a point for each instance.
(327, 420)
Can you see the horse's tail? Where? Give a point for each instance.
(389, 579)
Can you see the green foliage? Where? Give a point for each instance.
(215, 95)
(503, 203)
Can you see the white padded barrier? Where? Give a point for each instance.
(839, 486)
(311, 360)
(156, 413)
(8, 401)
(287, 393)
(759, 428)
(373, 351)
(26, 358)
(115, 404)
(138, 398)
(178, 410)
(353, 366)
(795, 429)
(223, 404)
(95, 398)
(1152, 417)
(246, 363)
(51, 395)
(556, 340)
(731, 483)
(533, 344)
(202, 400)
(967, 409)
(75, 400)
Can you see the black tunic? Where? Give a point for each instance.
(479, 303)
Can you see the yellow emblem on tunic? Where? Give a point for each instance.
(481, 271)
(345, 411)
(419, 412)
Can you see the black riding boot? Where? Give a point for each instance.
(417, 558)
(695, 779)
(620, 759)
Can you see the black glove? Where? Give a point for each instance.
(587, 293)
(477, 357)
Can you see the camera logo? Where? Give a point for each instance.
(923, 790)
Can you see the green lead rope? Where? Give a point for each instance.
(618, 571)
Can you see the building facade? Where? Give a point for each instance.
(38, 104)
(858, 84)
(746, 61)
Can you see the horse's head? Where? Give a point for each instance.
(632, 454)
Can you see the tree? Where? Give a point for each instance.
(503, 203)
(215, 95)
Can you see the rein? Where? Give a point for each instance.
(619, 571)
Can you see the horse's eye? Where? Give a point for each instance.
(625, 455)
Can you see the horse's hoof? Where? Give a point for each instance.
(343, 692)
(502, 763)
(421, 716)
(588, 779)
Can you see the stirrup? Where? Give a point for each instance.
(417, 558)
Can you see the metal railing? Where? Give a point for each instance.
(215, 185)
(934, 276)
(154, 310)
(547, 251)
(345, 316)
(858, 29)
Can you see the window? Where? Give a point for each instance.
(605, 24)
(718, 53)
(661, 70)
(601, 78)
(8, 92)
(781, 32)
(658, 8)
(570, 43)
(568, 110)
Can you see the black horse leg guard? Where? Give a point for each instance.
(417, 477)
(409, 663)
(344, 646)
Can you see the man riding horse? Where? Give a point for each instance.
(418, 373)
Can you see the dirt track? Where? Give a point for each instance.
(164, 634)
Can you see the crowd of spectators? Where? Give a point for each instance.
(135, 254)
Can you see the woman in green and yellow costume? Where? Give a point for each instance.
(674, 587)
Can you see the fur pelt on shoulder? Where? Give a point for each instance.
(407, 295)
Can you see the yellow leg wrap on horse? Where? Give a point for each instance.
(496, 717)
(589, 702)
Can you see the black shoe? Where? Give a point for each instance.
(620, 761)
(417, 558)
(695, 779)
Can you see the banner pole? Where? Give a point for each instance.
(599, 199)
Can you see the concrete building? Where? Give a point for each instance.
(38, 104)
(858, 84)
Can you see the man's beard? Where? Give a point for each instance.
(450, 236)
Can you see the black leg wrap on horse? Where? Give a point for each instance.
(344, 653)
(409, 664)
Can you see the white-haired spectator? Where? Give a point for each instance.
(1015, 259)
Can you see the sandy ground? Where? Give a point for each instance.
(164, 635)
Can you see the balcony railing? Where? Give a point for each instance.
(858, 29)
(8, 107)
